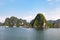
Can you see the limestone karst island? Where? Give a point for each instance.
(39, 22)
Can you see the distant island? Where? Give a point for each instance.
(39, 22)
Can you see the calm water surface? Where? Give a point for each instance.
(29, 34)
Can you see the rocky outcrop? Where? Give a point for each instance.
(13, 21)
(54, 23)
(57, 24)
(39, 22)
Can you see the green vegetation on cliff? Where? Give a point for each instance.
(13, 21)
(39, 22)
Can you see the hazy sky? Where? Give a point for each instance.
(27, 9)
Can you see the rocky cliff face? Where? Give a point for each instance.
(13, 21)
(39, 22)
(57, 24)
(54, 23)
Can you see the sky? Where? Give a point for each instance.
(28, 9)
